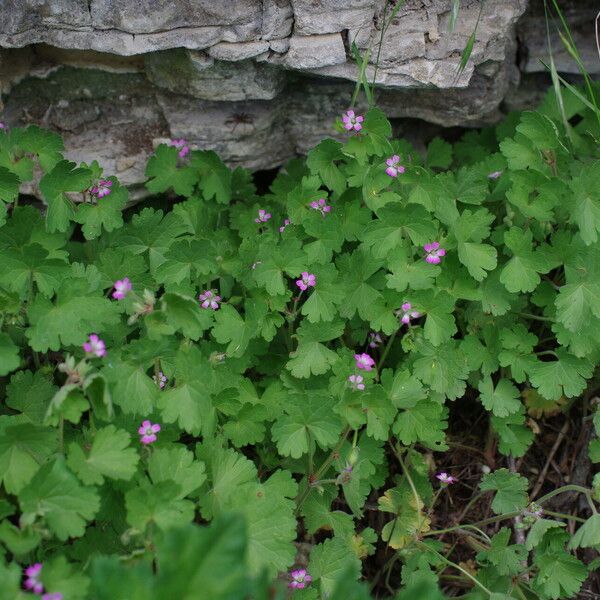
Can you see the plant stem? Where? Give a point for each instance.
(534, 317)
(386, 351)
(457, 567)
(317, 476)
(61, 434)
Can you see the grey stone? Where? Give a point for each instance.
(262, 80)
(581, 16)
(190, 73)
(240, 51)
(330, 16)
(277, 20)
(251, 133)
(311, 52)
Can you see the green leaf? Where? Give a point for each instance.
(505, 558)
(588, 535)
(65, 177)
(322, 161)
(395, 224)
(560, 575)
(502, 400)
(515, 436)
(228, 472)
(185, 314)
(44, 144)
(9, 355)
(231, 329)
(576, 304)
(325, 297)
(306, 419)
(157, 504)
(188, 402)
(215, 178)
(520, 274)
(538, 530)
(328, 561)
(76, 312)
(109, 456)
(23, 448)
(105, 213)
(478, 258)
(565, 376)
(185, 261)
(209, 558)
(177, 464)
(270, 513)
(439, 153)
(132, 389)
(164, 173)
(444, 369)
(29, 264)
(60, 576)
(510, 488)
(312, 356)
(287, 259)
(9, 185)
(424, 423)
(55, 495)
(440, 325)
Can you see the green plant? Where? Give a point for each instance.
(340, 316)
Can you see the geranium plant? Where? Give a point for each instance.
(193, 388)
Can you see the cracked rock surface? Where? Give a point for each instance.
(259, 81)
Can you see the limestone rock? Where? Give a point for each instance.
(260, 81)
(194, 74)
(240, 51)
(328, 16)
(313, 51)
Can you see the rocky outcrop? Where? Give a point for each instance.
(259, 81)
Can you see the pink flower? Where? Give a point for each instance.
(308, 280)
(95, 346)
(375, 340)
(446, 479)
(495, 174)
(160, 380)
(53, 596)
(356, 382)
(434, 253)
(263, 216)
(393, 168)
(3, 126)
(352, 121)
(148, 432)
(364, 361)
(209, 300)
(407, 313)
(32, 581)
(321, 206)
(182, 146)
(300, 579)
(286, 222)
(122, 287)
(102, 189)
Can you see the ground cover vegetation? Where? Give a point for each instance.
(377, 379)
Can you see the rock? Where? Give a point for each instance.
(194, 74)
(252, 133)
(262, 80)
(581, 16)
(277, 20)
(328, 16)
(240, 51)
(311, 52)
